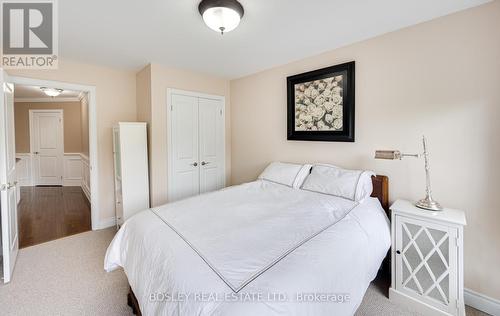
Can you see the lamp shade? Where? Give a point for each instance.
(221, 15)
(388, 154)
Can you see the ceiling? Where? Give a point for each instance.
(129, 34)
(33, 92)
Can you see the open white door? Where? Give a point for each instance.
(8, 205)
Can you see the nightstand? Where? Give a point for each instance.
(427, 259)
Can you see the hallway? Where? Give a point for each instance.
(48, 213)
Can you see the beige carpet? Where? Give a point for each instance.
(66, 277)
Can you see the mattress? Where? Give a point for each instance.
(258, 248)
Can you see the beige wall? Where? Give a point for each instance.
(72, 124)
(161, 79)
(115, 95)
(84, 115)
(441, 79)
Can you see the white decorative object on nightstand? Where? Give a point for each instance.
(427, 259)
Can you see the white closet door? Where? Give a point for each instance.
(211, 139)
(185, 163)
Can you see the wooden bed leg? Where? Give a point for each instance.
(133, 303)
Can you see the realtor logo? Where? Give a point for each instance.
(29, 34)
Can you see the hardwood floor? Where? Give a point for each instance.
(48, 213)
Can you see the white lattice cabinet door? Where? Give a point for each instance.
(427, 259)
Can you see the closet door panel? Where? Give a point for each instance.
(185, 146)
(211, 138)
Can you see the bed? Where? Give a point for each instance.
(259, 248)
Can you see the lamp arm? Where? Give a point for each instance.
(410, 155)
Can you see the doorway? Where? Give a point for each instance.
(51, 137)
(14, 170)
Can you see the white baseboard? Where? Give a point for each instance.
(108, 222)
(86, 191)
(482, 302)
(72, 182)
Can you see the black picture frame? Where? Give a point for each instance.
(347, 70)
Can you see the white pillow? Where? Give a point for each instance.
(288, 174)
(355, 185)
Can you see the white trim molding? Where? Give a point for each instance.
(482, 302)
(47, 100)
(72, 170)
(85, 175)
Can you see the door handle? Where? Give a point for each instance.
(36, 153)
(195, 164)
(204, 163)
(11, 185)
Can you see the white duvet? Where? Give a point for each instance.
(255, 249)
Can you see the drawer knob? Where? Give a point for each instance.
(398, 252)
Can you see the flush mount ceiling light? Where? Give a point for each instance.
(221, 15)
(51, 92)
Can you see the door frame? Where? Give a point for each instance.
(97, 222)
(170, 92)
(32, 134)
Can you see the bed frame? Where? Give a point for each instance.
(380, 191)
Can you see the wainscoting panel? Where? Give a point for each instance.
(23, 169)
(85, 175)
(76, 171)
(72, 170)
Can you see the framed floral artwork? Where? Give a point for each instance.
(321, 104)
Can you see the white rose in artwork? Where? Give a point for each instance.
(309, 125)
(337, 99)
(329, 118)
(318, 113)
(337, 124)
(305, 118)
(308, 91)
(311, 108)
(337, 111)
(319, 100)
(321, 86)
(301, 87)
(307, 101)
(328, 80)
(314, 93)
(337, 90)
(334, 84)
(314, 128)
(300, 127)
(328, 106)
(327, 93)
(338, 78)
